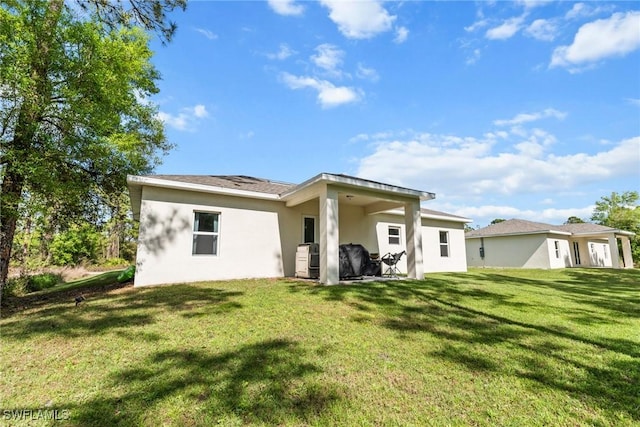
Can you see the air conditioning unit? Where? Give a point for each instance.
(308, 261)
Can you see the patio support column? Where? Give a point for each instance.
(413, 226)
(613, 248)
(626, 252)
(329, 237)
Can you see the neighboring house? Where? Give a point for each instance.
(526, 244)
(200, 227)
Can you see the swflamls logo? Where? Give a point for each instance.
(35, 414)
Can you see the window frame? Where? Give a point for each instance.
(445, 244)
(215, 234)
(315, 228)
(556, 244)
(395, 237)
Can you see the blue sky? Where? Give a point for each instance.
(526, 109)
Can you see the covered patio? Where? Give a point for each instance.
(335, 192)
(584, 242)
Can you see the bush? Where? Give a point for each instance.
(76, 245)
(114, 262)
(22, 285)
(42, 281)
(15, 287)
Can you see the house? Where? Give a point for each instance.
(526, 244)
(196, 228)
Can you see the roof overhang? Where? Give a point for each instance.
(376, 196)
(429, 215)
(388, 196)
(604, 233)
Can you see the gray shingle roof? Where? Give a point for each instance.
(513, 226)
(521, 226)
(238, 182)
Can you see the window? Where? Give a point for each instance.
(205, 233)
(394, 235)
(576, 252)
(557, 246)
(308, 229)
(444, 243)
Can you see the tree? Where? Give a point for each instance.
(620, 211)
(497, 221)
(73, 116)
(574, 220)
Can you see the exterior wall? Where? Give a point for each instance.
(433, 262)
(562, 258)
(593, 252)
(257, 238)
(523, 251)
(599, 253)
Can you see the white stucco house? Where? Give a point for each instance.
(202, 227)
(525, 244)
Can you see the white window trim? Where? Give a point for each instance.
(448, 255)
(315, 228)
(398, 236)
(206, 233)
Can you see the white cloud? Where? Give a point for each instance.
(474, 57)
(359, 19)
(200, 111)
(542, 29)
(367, 73)
(402, 33)
(207, 33)
(329, 58)
(584, 10)
(634, 101)
(531, 117)
(506, 30)
(484, 214)
(329, 95)
(617, 35)
(186, 119)
(283, 52)
(286, 7)
(470, 167)
(476, 25)
(530, 4)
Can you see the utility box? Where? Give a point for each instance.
(308, 261)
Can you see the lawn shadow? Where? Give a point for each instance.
(118, 310)
(440, 306)
(269, 382)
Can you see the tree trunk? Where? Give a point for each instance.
(11, 195)
(27, 122)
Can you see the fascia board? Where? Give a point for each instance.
(358, 184)
(432, 216)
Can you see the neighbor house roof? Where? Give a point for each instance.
(513, 227)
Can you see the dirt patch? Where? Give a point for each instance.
(68, 274)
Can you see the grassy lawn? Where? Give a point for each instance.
(488, 347)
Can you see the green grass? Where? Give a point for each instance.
(489, 347)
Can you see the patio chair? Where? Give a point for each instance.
(391, 261)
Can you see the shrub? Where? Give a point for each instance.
(18, 286)
(42, 281)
